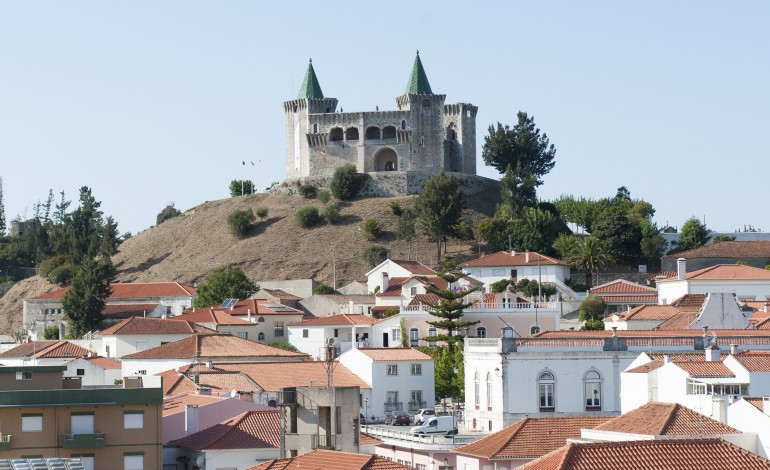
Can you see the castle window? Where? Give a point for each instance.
(372, 133)
(403, 125)
(389, 132)
(335, 134)
(451, 134)
(422, 141)
(328, 110)
(315, 128)
(351, 133)
(426, 103)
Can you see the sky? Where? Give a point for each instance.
(150, 102)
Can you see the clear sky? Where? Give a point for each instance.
(149, 102)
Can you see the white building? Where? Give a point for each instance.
(517, 266)
(746, 282)
(346, 331)
(390, 269)
(137, 334)
(401, 379)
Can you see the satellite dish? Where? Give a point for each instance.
(200, 461)
(615, 317)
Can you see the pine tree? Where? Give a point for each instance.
(439, 208)
(449, 308)
(84, 302)
(3, 227)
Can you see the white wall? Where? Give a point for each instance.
(209, 415)
(123, 345)
(744, 416)
(374, 277)
(152, 366)
(93, 374)
(547, 273)
(672, 290)
(240, 459)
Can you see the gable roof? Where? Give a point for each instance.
(176, 403)
(396, 284)
(418, 79)
(727, 249)
(48, 349)
(395, 354)
(248, 430)
(517, 258)
(327, 459)
(103, 362)
(414, 267)
(259, 307)
(622, 286)
(754, 361)
(671, 454)
(337, 320)
(209, 315)
(121, 311)
(725, 272)
(213, 346)
(529, 438)
(282, 294)
(310, 87)
(647, 313)
(129, 290)
(665, 419)
(154, 326)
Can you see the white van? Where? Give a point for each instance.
(436, 425)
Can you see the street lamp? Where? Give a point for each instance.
(366, 409)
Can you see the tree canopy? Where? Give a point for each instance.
(692, 235)
(522, 147)
(587, 254)
(439, 208)
(224, 283)
(449, 308)
(84, 302)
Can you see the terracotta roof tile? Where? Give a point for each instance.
(727, 249)
(48, 349)
(120, 311)
(283, 295)
(414, 267)
(176, 403)
(648, 312)
(673, 454)
(366, 439)
(395, 354)
(248, 430)
(706, 369)
(136, 290)
(721, 334)
(529, 438)
(622, 286)
(754, 361)
(665, 419)
(154, 326)
(213, 346)
(756, 402)
(649, 299)
(645, 368)
(505, 258)
(342, 320)
(327, 459)
(104, 362)
(726, 272)
(209, 315)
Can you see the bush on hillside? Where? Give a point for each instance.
(330, 213)
(346, 182)
(307, 191)
(239, 222)
(307, 216)
(375, 254)
(261, 212)
(168, 212)
(323, 289)
(395, 208)
(372, 229)
(324, 196)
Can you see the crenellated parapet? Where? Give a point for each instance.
(461, 109)
(311, 105)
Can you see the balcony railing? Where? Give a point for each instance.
(5, 442)
(393, 406)
(83, 441)
(416, 405)
(324, 441)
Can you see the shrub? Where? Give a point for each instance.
(592, 308)
(307, 191)
(395, 208)
(323, 289)
(52, 332)
(375, 254)
(594, 325)
(168, 212)
(372, 229)
(307, 216)
(346, 182)
(61, 274)
(48, 265)
(261, 212)
(464, 231)
(324, 196)
(392, 311)
(331, 213)
(499, 286)
(529, 288)
(286, 346)
(241, 186)
(239, 222)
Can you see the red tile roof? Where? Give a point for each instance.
(414, 267)
(670, 454)
(648, 313)
(327, 459)
(395, 354)
(214, 346)
(754, 361)
(136, 290)
(666, 419)
(394, 289)
(505, 258)
(529, 438)
(337, 320)
(367, 440)
(727, 249)
(104, 362)
(119, 311)
(154, 326)
(756, 402)
(48, 349)
(208, 315)
(706, 369)
(721, 334)
(622, 286)
(726, 272)
(248, 430)
(176, 403)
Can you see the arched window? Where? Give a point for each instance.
(351, 133)
(507, 332)
(592, 384)
(372, 133)
(403, 125)
(431, 332)
(451, 132)
(476, 390)
(546, 383)
(414, 337)
(388, 132)
(481, 332)
(315, 128)
(261, 336)
(426, 103)
(489, 391)
(422, 141)
(271, 403)
(534, 329)
(335, 134)
(261, 320)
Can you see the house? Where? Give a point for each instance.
(621, 295)
(523, 441)
(300, 288)
(515, 266)
(152, 299)
(346, 331)
(324, 305)
(320, 459)
(235, 443)
(752, 415)
(277, 296)
(222, 322)
(204, 348)
(401, 379)
(753, 253)
(746, 282)
(138, 334)
(271, 318)
(80, 362)
(43, 413)
(390, 269)
(680, 454)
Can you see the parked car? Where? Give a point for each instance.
(399, 418)
(423, 414)
(436, 425)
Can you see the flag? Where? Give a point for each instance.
(252, 163)
(243, 162)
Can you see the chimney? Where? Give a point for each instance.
(719, 408)
(712, 352)
(766, 405)
(733, 349)
(666, 359)
(614, 331)
(248, 315)
(190, 419)
(210, 364)
(681, 269)
(385, 284)
(526, 256)
(705, 332)
(513, 253)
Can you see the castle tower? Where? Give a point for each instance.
(298, 132)
(426, 113)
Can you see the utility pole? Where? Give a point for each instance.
(334, 268)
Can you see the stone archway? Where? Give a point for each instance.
(386, 159)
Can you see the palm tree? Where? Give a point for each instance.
(588, 254)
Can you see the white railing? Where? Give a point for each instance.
(504, 306)
(397, 434)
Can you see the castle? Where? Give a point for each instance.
(424, 135)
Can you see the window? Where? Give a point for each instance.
(416, 369)
(416, 402)
(352, 133)
(86, 460)
(243, 334)
(476, 390)
(31, 423)
(507, 332)
(305, 333)
(336, 333)
(403, 124)
(261, 336)
(278, 329)
(546, 383)
(391, 401)
(372, 133)
(426, 103)
(141, 372)
(389, 132)
(414, 337)
(412, 291)
(335, 134)
(421, 466)
(489, 391)
(481, 332)
(534, 329)
(261, 320)
(24, 375)
(593, 390)
(431, 332)
(107, 351)
(81, 372)
(396, 334)
(168, 310)
(392, 369)
(133, 419)
(133, 461)
(315, 128)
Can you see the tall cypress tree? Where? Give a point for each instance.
(84, 302)
(449, 308)
(3, 227)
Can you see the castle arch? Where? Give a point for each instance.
(372, 133)
(451, 132)
(403, 125)
(335, 134)
(426, 103)
(389, 132)
(386, 159)
(351, 133)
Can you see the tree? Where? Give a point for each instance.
(307, 216)
(240, 221)
(521, 146)
(346, 182)
(61, 209)
(405, 230)
(3, 227)
(653, 244)
(241, 187)
(224, 283)
(564, 244)
(449, 372)
(323, 289)
(261, 212)
(499, 286)
(722, 238)
(372, 229)
(536, 230)
(168, 212)
(110, 238)
(693, 234)
(588, 254)
(621, 237)
(375, 254)
(518, 191)
(331, 212)
(84, 229)
(51, 333)
(439, 208)
(84, 302)
(592, 308)
(449, 308)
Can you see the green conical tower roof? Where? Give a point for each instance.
(418, 81)
(310, 87)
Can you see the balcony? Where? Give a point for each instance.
(393, 406)
(416, 405)
(83, 441)
(5, 442)
(324, 441)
